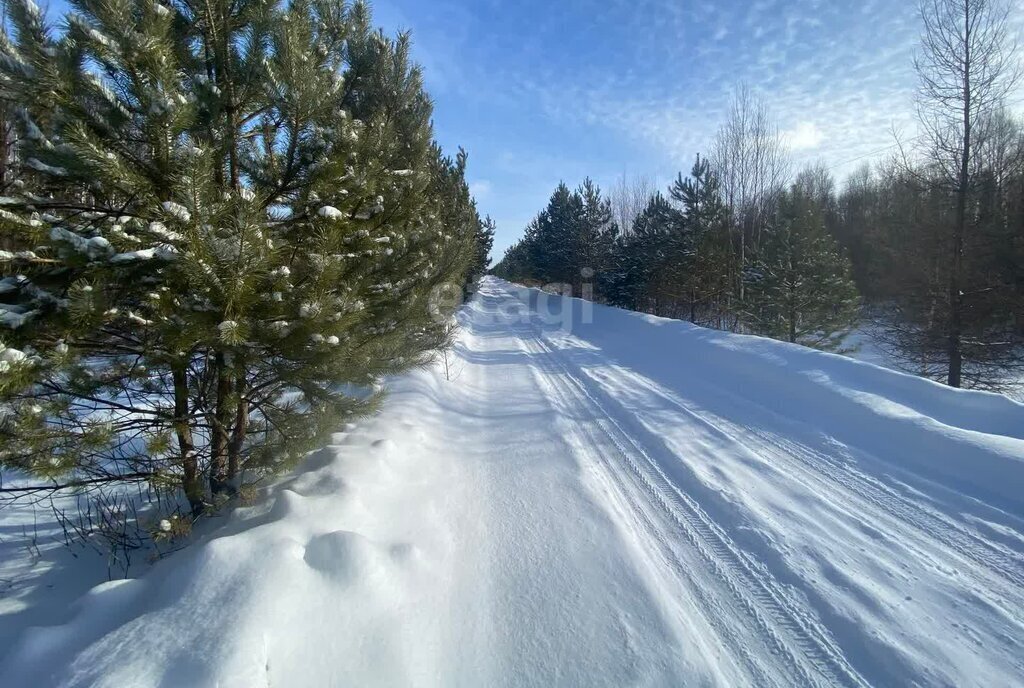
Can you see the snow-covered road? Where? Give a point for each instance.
(600, 498)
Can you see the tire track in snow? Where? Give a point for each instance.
(792, 633)
(547, 633)
(636, 517)
(1002, 569)
(988, 557)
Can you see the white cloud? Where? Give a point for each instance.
(832, 83)
(480, 189)
(803, 136)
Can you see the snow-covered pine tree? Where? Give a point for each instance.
(799, 286)
(238, 218)
(459, 211)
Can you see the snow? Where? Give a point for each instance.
(176, 210)
(11, 355)
(160, 230)
(94, 247)
(583, 496)
(13, 317)
(329, 212)
(161, 252)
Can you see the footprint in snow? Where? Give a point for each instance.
(345, 556)
(319, 485)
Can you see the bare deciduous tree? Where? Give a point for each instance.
(751, 160)
(815, 181)
(629, 196)
(966, 66)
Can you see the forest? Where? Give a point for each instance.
(924, 250)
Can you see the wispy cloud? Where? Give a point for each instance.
(816, 62)
(542, 91)
(481, 189)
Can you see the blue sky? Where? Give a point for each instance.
(540, 91)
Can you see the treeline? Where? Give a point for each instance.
(685, 256)
(896, 221)
(926, 248)
(809, 262)
(220, 230)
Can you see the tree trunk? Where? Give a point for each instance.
(221, 422)
(191, 482)
(240, 431)
(955, 334)
(792, 312)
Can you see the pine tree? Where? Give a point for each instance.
(642, 258)
(238, 217)
(799, 287)
(514, 264)
(593, 236)
(550, 237)
(703, 260)
(484, 240)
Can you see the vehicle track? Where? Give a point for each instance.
(804, 648)
(1003, 569)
